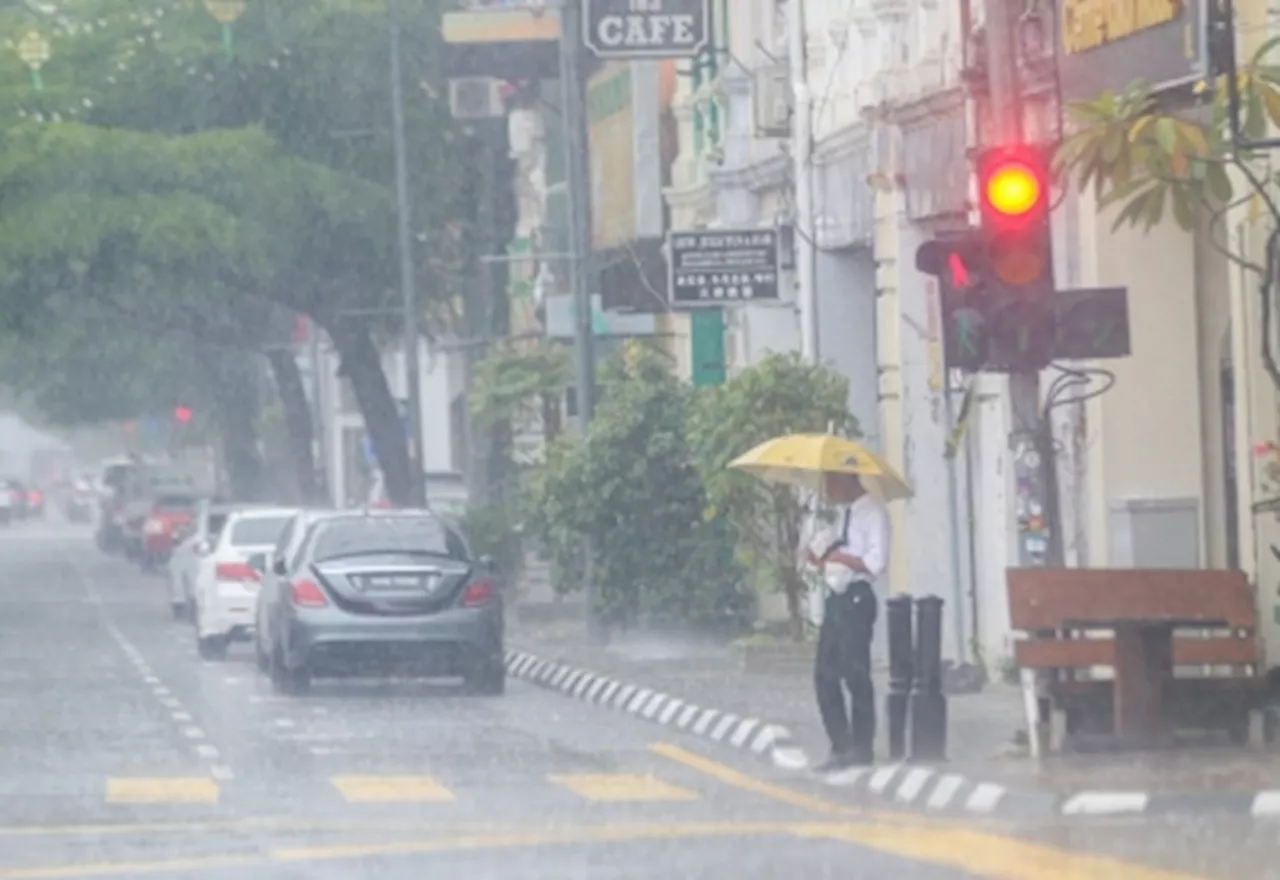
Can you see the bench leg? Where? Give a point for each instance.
(1257, 729)
(1031, 705)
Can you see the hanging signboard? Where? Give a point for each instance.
(637, 29)
(723, 266)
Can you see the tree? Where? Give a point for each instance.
(311, 76)
(632, 486)
(780, 395)
(1149, 159)
(515, 381)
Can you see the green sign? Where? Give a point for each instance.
(706, 338)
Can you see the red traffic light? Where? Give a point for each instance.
(182, 414)
(1012, 188)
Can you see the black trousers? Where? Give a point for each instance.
(844, 663)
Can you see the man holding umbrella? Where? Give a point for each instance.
(848, 474)
(850, 567)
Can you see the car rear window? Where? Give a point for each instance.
(386, 534)
(176, 502)
(258, 531)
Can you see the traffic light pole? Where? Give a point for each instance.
(578, 182)
(1031, 441)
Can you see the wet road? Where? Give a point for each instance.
(122, 754)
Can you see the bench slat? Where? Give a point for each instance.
(1047, 598)
(1083, 653)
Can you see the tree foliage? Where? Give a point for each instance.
(514, 377)
(208, 193)
(632, 486)
(780, 395)
(1150, 159)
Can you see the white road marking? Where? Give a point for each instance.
(193, 733)
(220, 771)
(181, 716)
(285, 722)
(205, 750)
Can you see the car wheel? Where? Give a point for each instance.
(284, 680)
(486, 677)
(212, 647)
(179, 610)
(264, 662)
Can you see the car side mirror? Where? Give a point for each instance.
(486, 562)
(258, 562)
(280, 568)
(202, 548)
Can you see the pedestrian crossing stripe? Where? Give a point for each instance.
(391, 789)
(614, 787)
(160, 790)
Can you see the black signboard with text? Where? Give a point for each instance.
(723, 266)
(637, 29)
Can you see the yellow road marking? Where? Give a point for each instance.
(391, 789)
(980, 853)
(989, 855)
(741, 780)
(159, 790)
(614, 787)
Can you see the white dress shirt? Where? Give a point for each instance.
(867, 537)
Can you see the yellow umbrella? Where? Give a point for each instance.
(801, 460)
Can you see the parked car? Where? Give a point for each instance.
(169, 515)
(265, 564)
(144, 486)
(194, 541)
(6, 503)
(225, 587)
(381, 592)
(21, 503)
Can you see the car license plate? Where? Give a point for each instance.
(395, 582)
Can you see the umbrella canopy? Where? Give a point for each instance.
(803, 460)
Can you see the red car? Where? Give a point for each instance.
(169, 514)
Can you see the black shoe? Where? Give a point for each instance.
(837, 761)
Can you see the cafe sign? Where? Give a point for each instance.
(1108, 44)
(639, 29)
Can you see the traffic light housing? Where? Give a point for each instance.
(1014, 188)
(959, 263)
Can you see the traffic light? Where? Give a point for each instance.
(182, 414)
(959, 263)
(1014, 191)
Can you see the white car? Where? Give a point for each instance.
(184, 562)
(225, 587)
(290, 540)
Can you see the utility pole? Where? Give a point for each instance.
(1031, 440)
(802, 171)
(403, 221)
(577, 181)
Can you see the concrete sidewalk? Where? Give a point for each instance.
(983, 763)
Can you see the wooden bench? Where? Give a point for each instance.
(1144, 703)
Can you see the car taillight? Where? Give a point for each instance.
(240, 572)
(478, 593)
(307, 594)
(35, 497)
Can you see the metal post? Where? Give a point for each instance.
(577, 181)
(897, 611)
(953, 520)
(320, 425)
(1030, 462)
(411, 335)
(802, 171)
(928, 705)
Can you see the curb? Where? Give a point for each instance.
(750, 734)
(910, 786)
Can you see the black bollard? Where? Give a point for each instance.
(901, 672)
(928, 705)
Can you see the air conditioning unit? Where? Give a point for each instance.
(476, 97)
(771, 98)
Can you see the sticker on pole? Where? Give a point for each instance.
(723, 267)
(629, 29)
